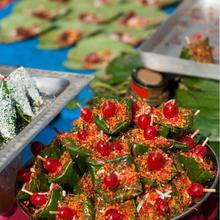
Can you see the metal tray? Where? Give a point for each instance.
(62, 86)
(211, 156)
(162, 50)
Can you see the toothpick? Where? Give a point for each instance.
(53, 212)
(79, 106)
(26, 191)
(151, 120)
(209, 190)
(188, 41)
(205, 141)
(195, 133)
(40, 158)
(196, 113)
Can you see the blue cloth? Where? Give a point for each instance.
(26, 54)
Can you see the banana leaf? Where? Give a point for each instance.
(49, 8)
(53, 38)
(77, 56)
(18, 27)
(7, 113)
(194, 171)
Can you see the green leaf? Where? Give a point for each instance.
(193, 169)
(121, 67)
(72, 104)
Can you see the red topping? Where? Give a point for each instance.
(82, 134)
(37, 147)
(155, 161)
(161, 206)
(51, 164)
(24, 175)
(170, 110)
(188, 141)
(86, 115)
(38, 199)
(103, 148)
(143, 121)
(134, 108)
(195, 190)
(111, 181)
(66, 213)
(150, 132)
(113, 214)
(200, 150)
(116, 146)
(109, 109)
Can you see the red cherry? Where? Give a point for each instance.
(170, 110)
(150, 132)
(24, 175)
(109, 109)
(161, 206)
(155, 161)
(200, 150)
(113, 214)
(103, 148)
(188, 141)
(143, 121)
(86, 115)
(82, 134)
(51, 164)
(116, 146)
(37, 147)
(195, 190)
(111, 181)
(38, 199)
(66, 213)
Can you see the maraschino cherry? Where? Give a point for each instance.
(113, 214)
(150, 132)
(143, 121)
(170, 109)
(201, 150)
(24, 175)
(38, 199)
(188, 140)
(37, 147)
(103, 148)
(111, 181)
(196, 190)
(82, 134)
(66, 213)
(155, 161)
(86, 115)
(161, 206)
(50, 164)
(109, 109)
(116, 146)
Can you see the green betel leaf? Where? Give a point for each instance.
(42, 9)
(121, 67)
(194, 171)
(77, 55)
(66, 34)
(17, 27)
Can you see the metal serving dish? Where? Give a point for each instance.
(161, 52)
(59, 85)
(211, 156)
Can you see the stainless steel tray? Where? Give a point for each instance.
(62, 86)
(162, 50)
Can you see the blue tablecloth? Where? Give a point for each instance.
(26, 54)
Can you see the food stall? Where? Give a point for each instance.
(109, 109)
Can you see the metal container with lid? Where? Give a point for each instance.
(149, 85)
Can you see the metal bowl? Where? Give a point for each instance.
(211, 156)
